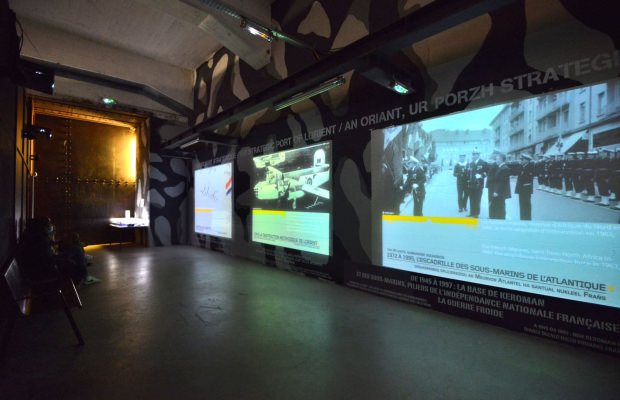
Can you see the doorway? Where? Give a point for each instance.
(86, 173)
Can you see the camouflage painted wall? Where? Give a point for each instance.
(528, 48)
(168, 184)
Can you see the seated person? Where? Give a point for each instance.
(35, 252)
(72, 249)
(39, 260)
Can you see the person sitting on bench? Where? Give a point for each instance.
(72, 249)
(39, 259)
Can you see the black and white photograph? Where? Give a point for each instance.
(554, 157)
(294, 180)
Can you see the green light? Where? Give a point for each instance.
(399, 88)
(107, 100)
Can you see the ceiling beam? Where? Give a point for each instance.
(430, 20)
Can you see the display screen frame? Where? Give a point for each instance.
(227, 189)
(293, 209)
(491, 265)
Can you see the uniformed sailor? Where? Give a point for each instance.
(540, 171)
(416, 177)
(578, 175)
(477, 173)
(525, 184)
(614, 186)
(569, 171)
(555, 174)
(602, 175)
(588, 175)
(460, 172)
(500, 187)
(564, 174)
(491, 169)
(546, 164)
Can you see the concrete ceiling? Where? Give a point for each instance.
(156, 43)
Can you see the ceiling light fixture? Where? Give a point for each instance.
(190, 143)
(324, 87)
(257, 30)
(388, 75)
(399, 87)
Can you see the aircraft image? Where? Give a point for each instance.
(294, 184)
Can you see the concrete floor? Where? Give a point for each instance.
(186, 323)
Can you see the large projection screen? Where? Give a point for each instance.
(522, 196)
(213, 200)
(292, 199)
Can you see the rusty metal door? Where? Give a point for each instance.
(86, 174)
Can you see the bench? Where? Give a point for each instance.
(37, 297)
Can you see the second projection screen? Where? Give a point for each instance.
(213, 200)
(292, 199)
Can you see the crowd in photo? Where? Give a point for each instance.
(592, 177)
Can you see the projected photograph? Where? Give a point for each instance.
(551, 158)
(294, 179)
(292, 198)
(524, 195)
(213, 200)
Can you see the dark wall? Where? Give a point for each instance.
(8, 126)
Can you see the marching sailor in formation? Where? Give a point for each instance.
(588, 175)
(603, 175)
(579, 175)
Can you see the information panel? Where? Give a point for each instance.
(213, 200)
(292, 199)
(571, 322)
(521, 196)
(576, 261)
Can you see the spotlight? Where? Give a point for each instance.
(390, 76)
(34, 76)
(32, 132)
(257, 30)
(399, 87)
